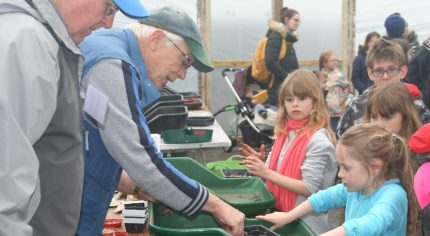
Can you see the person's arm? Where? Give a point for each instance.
(28, 91)
(228, 217)
(357, 74)
(279, 219)
(271, 57)
(319, 166)
(126, 136)
(128, 186)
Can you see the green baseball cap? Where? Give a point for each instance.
(176, 21)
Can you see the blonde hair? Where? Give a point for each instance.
(367, 142)
(387, 100)
(303, 83)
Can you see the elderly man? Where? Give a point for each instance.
(41, 161)
(123, 72)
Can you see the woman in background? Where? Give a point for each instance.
(359, 75)
(290, 18)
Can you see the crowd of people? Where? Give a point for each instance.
(377, 147)
(71, 106)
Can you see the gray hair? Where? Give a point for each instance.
(142, 30)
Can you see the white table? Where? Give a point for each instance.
(219, 137)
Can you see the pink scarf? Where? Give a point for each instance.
(285, 200)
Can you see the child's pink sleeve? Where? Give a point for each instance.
(422, 185)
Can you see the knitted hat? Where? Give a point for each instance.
(395, 25)
(419, 142)
(178, 22)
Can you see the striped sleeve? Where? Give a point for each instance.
(127, 138)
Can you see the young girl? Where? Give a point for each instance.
(392, 106)
(302, 159)
(336, 85)
(377, 180)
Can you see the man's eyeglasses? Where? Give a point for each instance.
(186, 61)
(392, 71)
(111, 8)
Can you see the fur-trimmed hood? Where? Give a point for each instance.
(277, 27)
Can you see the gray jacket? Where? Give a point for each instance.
(41, 163)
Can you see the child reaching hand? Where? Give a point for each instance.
(302, 158)
(377, 181)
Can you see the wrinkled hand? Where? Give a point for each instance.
(249, 151)
(229, 218)
(278, 219)
(255, 166)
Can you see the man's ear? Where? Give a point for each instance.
(403, 71)
(156, 39)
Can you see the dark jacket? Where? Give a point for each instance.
(360, 77)
(287, 64)
(280, 68)
(419, 71)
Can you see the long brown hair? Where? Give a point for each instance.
(303, 83)
(364, 48)
(387, 100)
(367, 142)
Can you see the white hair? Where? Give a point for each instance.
(142, 30)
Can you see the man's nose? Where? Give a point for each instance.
(182, 74)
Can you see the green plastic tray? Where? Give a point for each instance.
(203, 223)
(232, 163)
(249, 195)
(187, 135)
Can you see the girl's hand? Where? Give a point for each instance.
(249, 151)
(278, 219)
(256, 166)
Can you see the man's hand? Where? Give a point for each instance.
(228, 217)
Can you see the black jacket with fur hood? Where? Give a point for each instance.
(289, 63)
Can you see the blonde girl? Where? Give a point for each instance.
(392, 106)
(302, 158)
(376, 188)
(337, 86)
